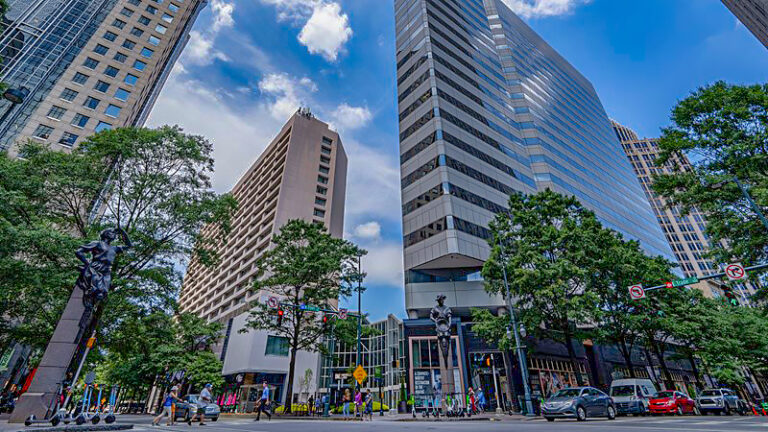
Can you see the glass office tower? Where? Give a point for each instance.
(487, 108)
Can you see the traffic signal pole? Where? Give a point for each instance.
(713, 276)
(751, 202)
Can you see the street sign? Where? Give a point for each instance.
(735, 272)
(343, 314)
(636, 292)
(360, 374)
(272, 302)
(669, 284)
(684, 282)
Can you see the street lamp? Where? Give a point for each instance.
(519, 348)
(747, 196)
(15, 96)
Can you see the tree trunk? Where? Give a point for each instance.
(572, 355)
(670, 383)
(695, 370)
(289, 386)
(627, 353)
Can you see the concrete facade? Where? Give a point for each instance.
(487, 109)
(94, 65)
(753, 14)
(300, 175)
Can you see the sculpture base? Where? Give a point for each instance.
(54, 364)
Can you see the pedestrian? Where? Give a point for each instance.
(170, 398)
(480, 399)
(358, 403)
(263, 402)
(346, 399)
(203, 400)
(471, 394)
(368, 406)
(311, 405)
(319, 403)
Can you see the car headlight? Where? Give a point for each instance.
(568, 404)
(718, 402)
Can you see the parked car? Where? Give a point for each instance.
(188, 409)
(578, 403)
(721, 400)
(672, 402)
(632, 396)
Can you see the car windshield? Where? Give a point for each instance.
(665, 394)
(710, 393)
(567, 393)
(192, 398)
(624, 390)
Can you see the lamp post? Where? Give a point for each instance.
(519, 348)
(751, 202)
(15, 96)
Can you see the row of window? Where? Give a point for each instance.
(442, 224)
(453, 190)
(322, 178)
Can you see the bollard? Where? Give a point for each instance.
(326, 409)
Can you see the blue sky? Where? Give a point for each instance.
(251, 63)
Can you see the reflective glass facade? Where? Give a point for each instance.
(488, 108)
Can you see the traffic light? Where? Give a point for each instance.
(730, 296)
(280, 313)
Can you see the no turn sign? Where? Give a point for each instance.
(343, 314)
(272, 302)
(636, 292)
(735, 271)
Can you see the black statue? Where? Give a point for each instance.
(96, 275)
(441, 316)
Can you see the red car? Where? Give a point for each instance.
(672, 402)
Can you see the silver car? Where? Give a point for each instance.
(720, 401)
(579, 403)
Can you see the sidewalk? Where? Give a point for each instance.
(392, 418)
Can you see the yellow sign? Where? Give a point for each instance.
(91, 342)
(360, 374)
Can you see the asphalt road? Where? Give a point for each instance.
(622, 424)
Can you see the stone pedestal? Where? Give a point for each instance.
(54, 364)
(448, 388)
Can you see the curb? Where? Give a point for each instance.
(81, 428)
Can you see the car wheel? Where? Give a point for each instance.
(549, 419)
(679, 410)
(581, 414)
(643, 410)
(213, 419)
(55, 420)
(727, 410)
(611, 413)
(696, 411)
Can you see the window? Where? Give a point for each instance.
(144, 20)
(168, 18)
(112, 110)
(90, 63)
(173, 8)
(56, 112)
(151, 9)
(101, 86)
(68, 95)
(100, 49)
(161, 29)
(324, 170)
(327, 141)
(321, 179)
(319, 213)
(137, 32)
(277, 346)
(320, 201)
(146, 52)
(118, 23)
(325, 159)
(321, 190)
(80, 78)
(103, 126)
(122, 95)
(110, 36)
(120, 57)
(111, 71)
(126, 12)
(134, 2)
(68, 139)
(129, 44)
(130, 79)
(325, 150)
(91, 102)
(80, 120)
(154, 40)
(43, 132)
(139, 65)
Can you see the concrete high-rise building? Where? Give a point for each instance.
(753, 14)
(300, 175)
(685, 233)
(487, 108)
(75, 67)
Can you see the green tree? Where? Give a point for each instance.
(306, 265)
(725, 130)
(550, 250)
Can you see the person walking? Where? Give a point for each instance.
(170, 398)
(346, 399)
(203, 400)
(471, 394)
(358, 404)
(368, 406)
(263, 402)
(481, 400)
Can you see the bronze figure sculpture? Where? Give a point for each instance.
(96, 275)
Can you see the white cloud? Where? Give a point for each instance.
(373, 185)
(326, 31)
(383, 264)
(542, 8)
(200, 50)
(348, 117)
(222, 14)
(287, 94)
(369, 231)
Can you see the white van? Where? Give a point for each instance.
(631, 395)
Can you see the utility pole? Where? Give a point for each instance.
(359, 308)
(519, 348)
(751, 202)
